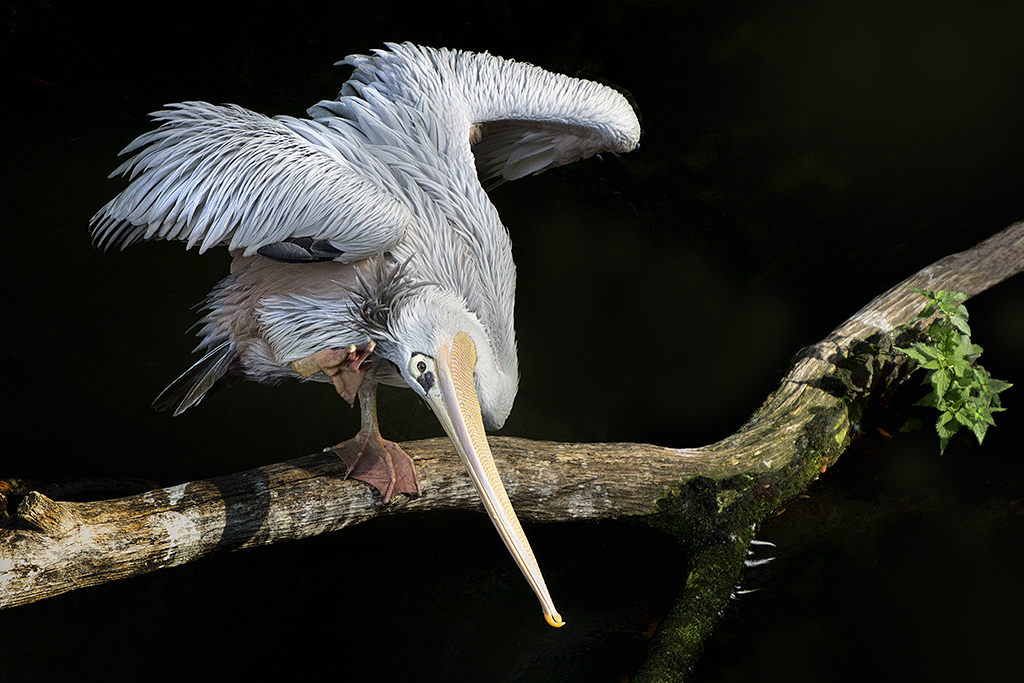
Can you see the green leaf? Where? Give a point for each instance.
(948, 299)
(949, 345)
(946, 426)
(962, 369)
(921, 353)
(979, 429)
(965, 348)
(964, 393)
(926, 312)
(940, 381)
(965, 417)
(960, 323)
(995, 386)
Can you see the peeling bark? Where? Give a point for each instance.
(711, 498)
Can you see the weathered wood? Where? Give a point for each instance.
(56, 547)
(801, 429)
(711, 497)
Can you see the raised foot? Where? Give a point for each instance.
(381, 464)
(346, 367)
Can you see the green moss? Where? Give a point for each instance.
(727, 498)
(717, 519)
(716, 565)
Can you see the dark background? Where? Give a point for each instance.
(798, 159)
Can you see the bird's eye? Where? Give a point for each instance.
(421, 367)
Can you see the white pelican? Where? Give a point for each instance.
(365, 247)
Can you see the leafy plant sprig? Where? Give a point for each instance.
(963, 392)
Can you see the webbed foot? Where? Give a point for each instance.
(380, 463)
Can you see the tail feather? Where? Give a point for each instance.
(190, 388)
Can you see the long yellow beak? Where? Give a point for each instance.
(458, 409)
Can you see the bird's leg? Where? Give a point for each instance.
(374, 461)
(346, 367)
(370, 459)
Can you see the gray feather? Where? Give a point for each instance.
(300, 250)
(190, 388)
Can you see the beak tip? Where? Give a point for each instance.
(554, 619)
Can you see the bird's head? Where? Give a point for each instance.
(426, 326)
(443, 352)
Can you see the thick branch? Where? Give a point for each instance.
(48, 547)
(57, 547)
(800, 430)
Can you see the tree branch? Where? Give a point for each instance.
(801, 429)
(711, 498)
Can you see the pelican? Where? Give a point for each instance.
(365, 249)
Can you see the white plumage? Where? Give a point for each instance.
(366, 226)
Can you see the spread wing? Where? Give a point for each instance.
(519, 118)
(223, 175)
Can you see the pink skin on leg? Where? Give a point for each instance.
(345, 366)
(380, 463)
(373, 460)
(369, 457)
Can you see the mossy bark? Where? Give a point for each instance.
(716, 519)
(801, 430)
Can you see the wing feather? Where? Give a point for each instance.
(223, 175)
(520, 118)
